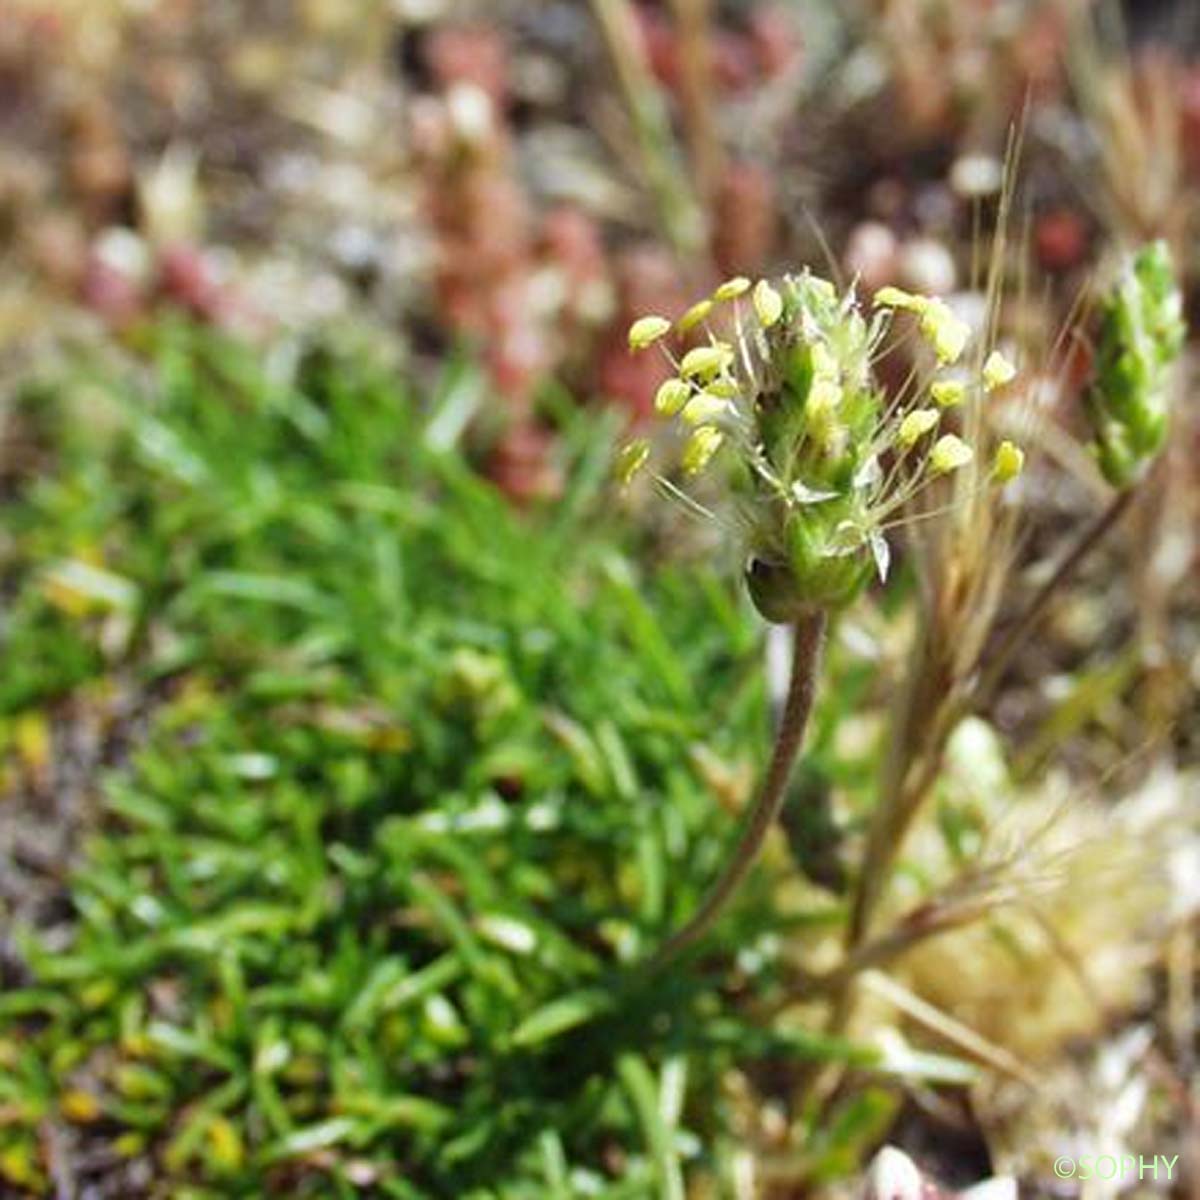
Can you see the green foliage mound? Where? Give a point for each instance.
(418, 781)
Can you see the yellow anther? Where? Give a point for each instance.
(704, 408)
(671, 397)
(695, 315)
(632, 459)
(731, 289)
(706, 361)
(700, 448)
(916, 425)
(997, 371)
(768, 304)
(894, 297)
(949, 453)
(646, 331)
(1009, 462)
(948, 393)
(947, 333)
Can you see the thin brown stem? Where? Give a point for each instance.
(806, 663)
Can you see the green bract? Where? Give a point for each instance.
(1141, 334)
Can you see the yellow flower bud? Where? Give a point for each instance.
(948, 393)
(699, 449)
(997, 371)
(731, 289)
(646, 331)
(949, 453)
(916, 425)
(1009, 462)
(671, 397)
(705, 361)
(632, 459)
(704, 408)
(947, 333)
(768, 304)
(695, 315)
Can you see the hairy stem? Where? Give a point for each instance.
(806, 662)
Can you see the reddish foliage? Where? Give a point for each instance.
(186, 277)
(1061, 239)
(768, 45)
(111, 294)
(521, 463)
(470, 54)
(1189, 111)
(776, 39)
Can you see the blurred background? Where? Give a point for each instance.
(355, 731)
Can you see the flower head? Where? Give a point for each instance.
(1141, 334)
(828, 461)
